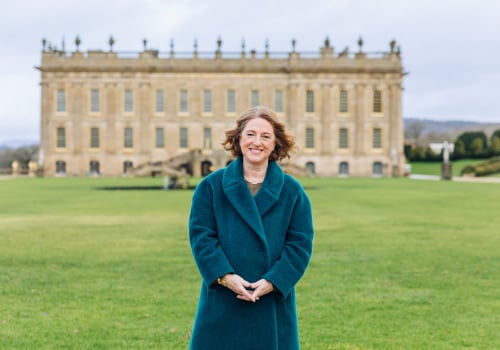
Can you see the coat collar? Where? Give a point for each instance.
(252, 209)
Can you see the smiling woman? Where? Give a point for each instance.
(247, 298)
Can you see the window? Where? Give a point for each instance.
(344, 168)
(309, 138)
(127, 165)
(160, 138)
(343, 140)
(278, 101)
(207, 138)
(61, 138)
(183, 137)
(128, 138)
(94, 167)
(94, 100)
(94, 137)
(310, 101)
(377, 169)
(207, 101)
(311, 168)
(377, 101)
(160, 102)
(183, 101)
(129, 101)
(255, 98)
(61, 100)
(60, 167)
(231, 101)
(343, 102)
(377, 138)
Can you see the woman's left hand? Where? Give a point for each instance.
(261, 288)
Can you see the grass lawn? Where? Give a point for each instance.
(397, 264)
(434, 168)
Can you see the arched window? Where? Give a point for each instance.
(311, 167)
(60, 167)
(344, 169)
(127, 165)
(377, 169)
(206, 166)
(94, 167)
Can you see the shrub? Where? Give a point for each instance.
(489, 167)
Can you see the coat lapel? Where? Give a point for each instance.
(251, 209)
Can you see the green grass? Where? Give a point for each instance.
(434, 168)
(397, 264)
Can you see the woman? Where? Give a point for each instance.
(251, 233)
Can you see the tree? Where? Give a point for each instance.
(417, 154)
(477, 147)
(495, 145)
(414, 130)
(496, 133)
(458, 150)
(430, 155)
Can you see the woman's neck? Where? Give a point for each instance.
(254, 173)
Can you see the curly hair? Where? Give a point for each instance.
(284, 141)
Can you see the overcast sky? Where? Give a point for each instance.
(450, 48)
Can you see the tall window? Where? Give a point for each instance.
(183, 138)
(61, 138)
(344, 168)
(94, 167)
(127, 165)
(343, 102)
(231, 101)
(60, 167)
(309, 138)
(160, 102)
(377, 101)
(377, 138)
(160, 138)
(310, 101)
(207, 101)
(94, 137)
(129, 101)
(183, 101)
(128, 138)
(255, 98)
(343, 140)
(94, 100)
(61, 100)
(207, 138)
(278, 101)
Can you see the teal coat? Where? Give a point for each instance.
(267, 236)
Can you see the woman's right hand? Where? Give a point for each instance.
(239, 286)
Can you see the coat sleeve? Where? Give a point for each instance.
(208, 255)
(291, 265)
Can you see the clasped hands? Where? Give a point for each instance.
(245, 290)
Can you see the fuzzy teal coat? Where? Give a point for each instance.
(267, 236)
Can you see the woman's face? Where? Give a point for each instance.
(257, 141)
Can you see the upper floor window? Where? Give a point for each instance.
(183, 101)
(94, 100)
(231, 101)
(255, 98)
(207, 138)
(278, 101)
(61, 100)
(128, 101)
(128, 138)
(343, 102)
(310, 101)
(207, 101)
(343, 138)
(377, 101)
(183, 138)
(309, 138)
(377, 138)
(61, 137)
(160, 101)
(94, 137)
(160, 138)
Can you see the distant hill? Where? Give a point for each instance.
(439, 131)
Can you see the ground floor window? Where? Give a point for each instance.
(344, 169)
(94, 167)
(127, 165)
(377, 169)
(60, 167)
(311, 167)
(206, 167)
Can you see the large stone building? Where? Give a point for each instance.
(106, 112)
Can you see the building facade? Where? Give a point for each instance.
(106, 112)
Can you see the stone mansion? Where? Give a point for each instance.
(105, 112)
